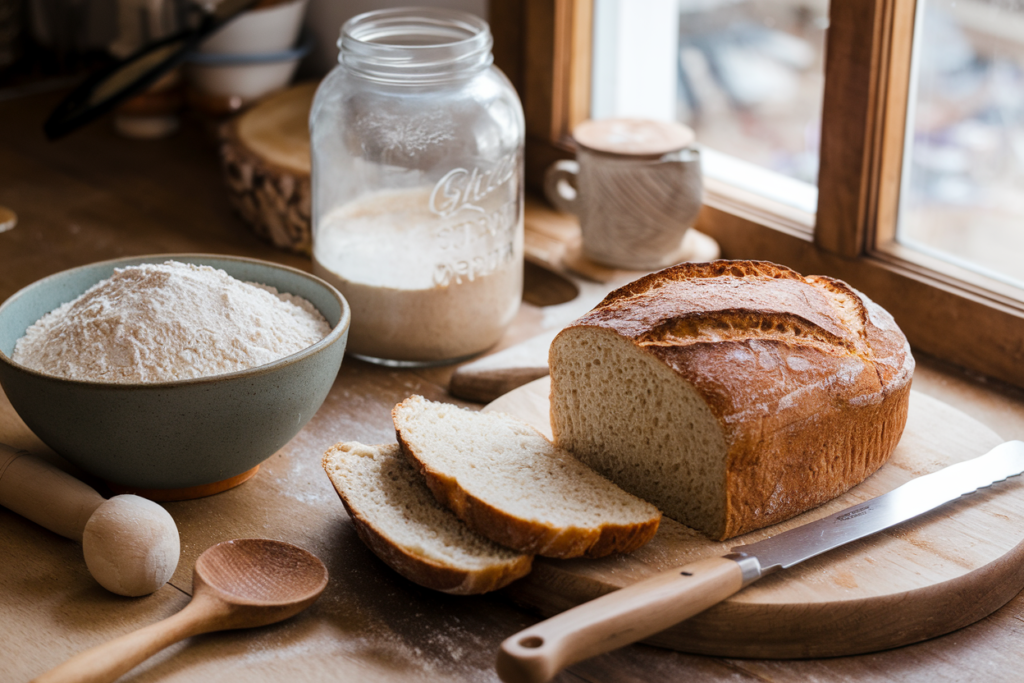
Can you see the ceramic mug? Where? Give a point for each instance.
(634, 206)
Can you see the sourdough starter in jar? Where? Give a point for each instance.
(417, 147)
(459, 304)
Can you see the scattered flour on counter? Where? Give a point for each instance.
(160, 323)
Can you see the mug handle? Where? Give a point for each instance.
(560, 185)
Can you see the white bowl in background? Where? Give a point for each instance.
(246, 77)
(271, 29)
(246, 81)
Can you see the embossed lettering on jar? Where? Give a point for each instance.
(417, 144)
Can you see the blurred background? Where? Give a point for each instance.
(747, 75)
(66, 37)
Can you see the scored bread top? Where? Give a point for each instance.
(397, 517)
(805, 332)
(509, 483)
(800, 385)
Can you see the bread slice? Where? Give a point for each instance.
(509, 483)
(395, 515)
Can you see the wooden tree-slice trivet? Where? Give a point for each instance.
(266, 159)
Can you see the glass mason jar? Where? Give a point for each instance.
(417, 146)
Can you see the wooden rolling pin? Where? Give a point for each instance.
(130, 544)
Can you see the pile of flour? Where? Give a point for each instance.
(160, 323)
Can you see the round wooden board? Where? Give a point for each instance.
(926, 577)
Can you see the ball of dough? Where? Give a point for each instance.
(131, 545)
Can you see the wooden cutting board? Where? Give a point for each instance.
(932, 575)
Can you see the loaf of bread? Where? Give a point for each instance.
(733, 394)
(396, 516)
(507, 482)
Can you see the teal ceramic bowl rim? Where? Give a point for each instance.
(336, 332)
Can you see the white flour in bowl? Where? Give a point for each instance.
(160, 323)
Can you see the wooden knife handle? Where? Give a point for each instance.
(625, 616)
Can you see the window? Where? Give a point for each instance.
(962, 197)
(746, 75)
(949, 311)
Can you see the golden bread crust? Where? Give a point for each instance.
(808, 378)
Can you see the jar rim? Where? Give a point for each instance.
(415, 44)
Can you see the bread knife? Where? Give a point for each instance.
(101, 92)
(633, 613)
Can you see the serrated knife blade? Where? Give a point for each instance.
(633, 613)
(914, 498)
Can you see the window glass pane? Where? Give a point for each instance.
(746, 75)
(962, 195)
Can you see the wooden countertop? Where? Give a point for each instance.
(96, 196)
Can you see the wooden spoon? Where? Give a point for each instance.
(236, 584)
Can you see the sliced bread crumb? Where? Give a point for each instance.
(398, 519)
(509, 483)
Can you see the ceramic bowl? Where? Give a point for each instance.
(271, 29)
(178, 439)
(247, 77)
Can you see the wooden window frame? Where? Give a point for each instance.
(544, 47)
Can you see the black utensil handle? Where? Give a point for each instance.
(102, 91)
